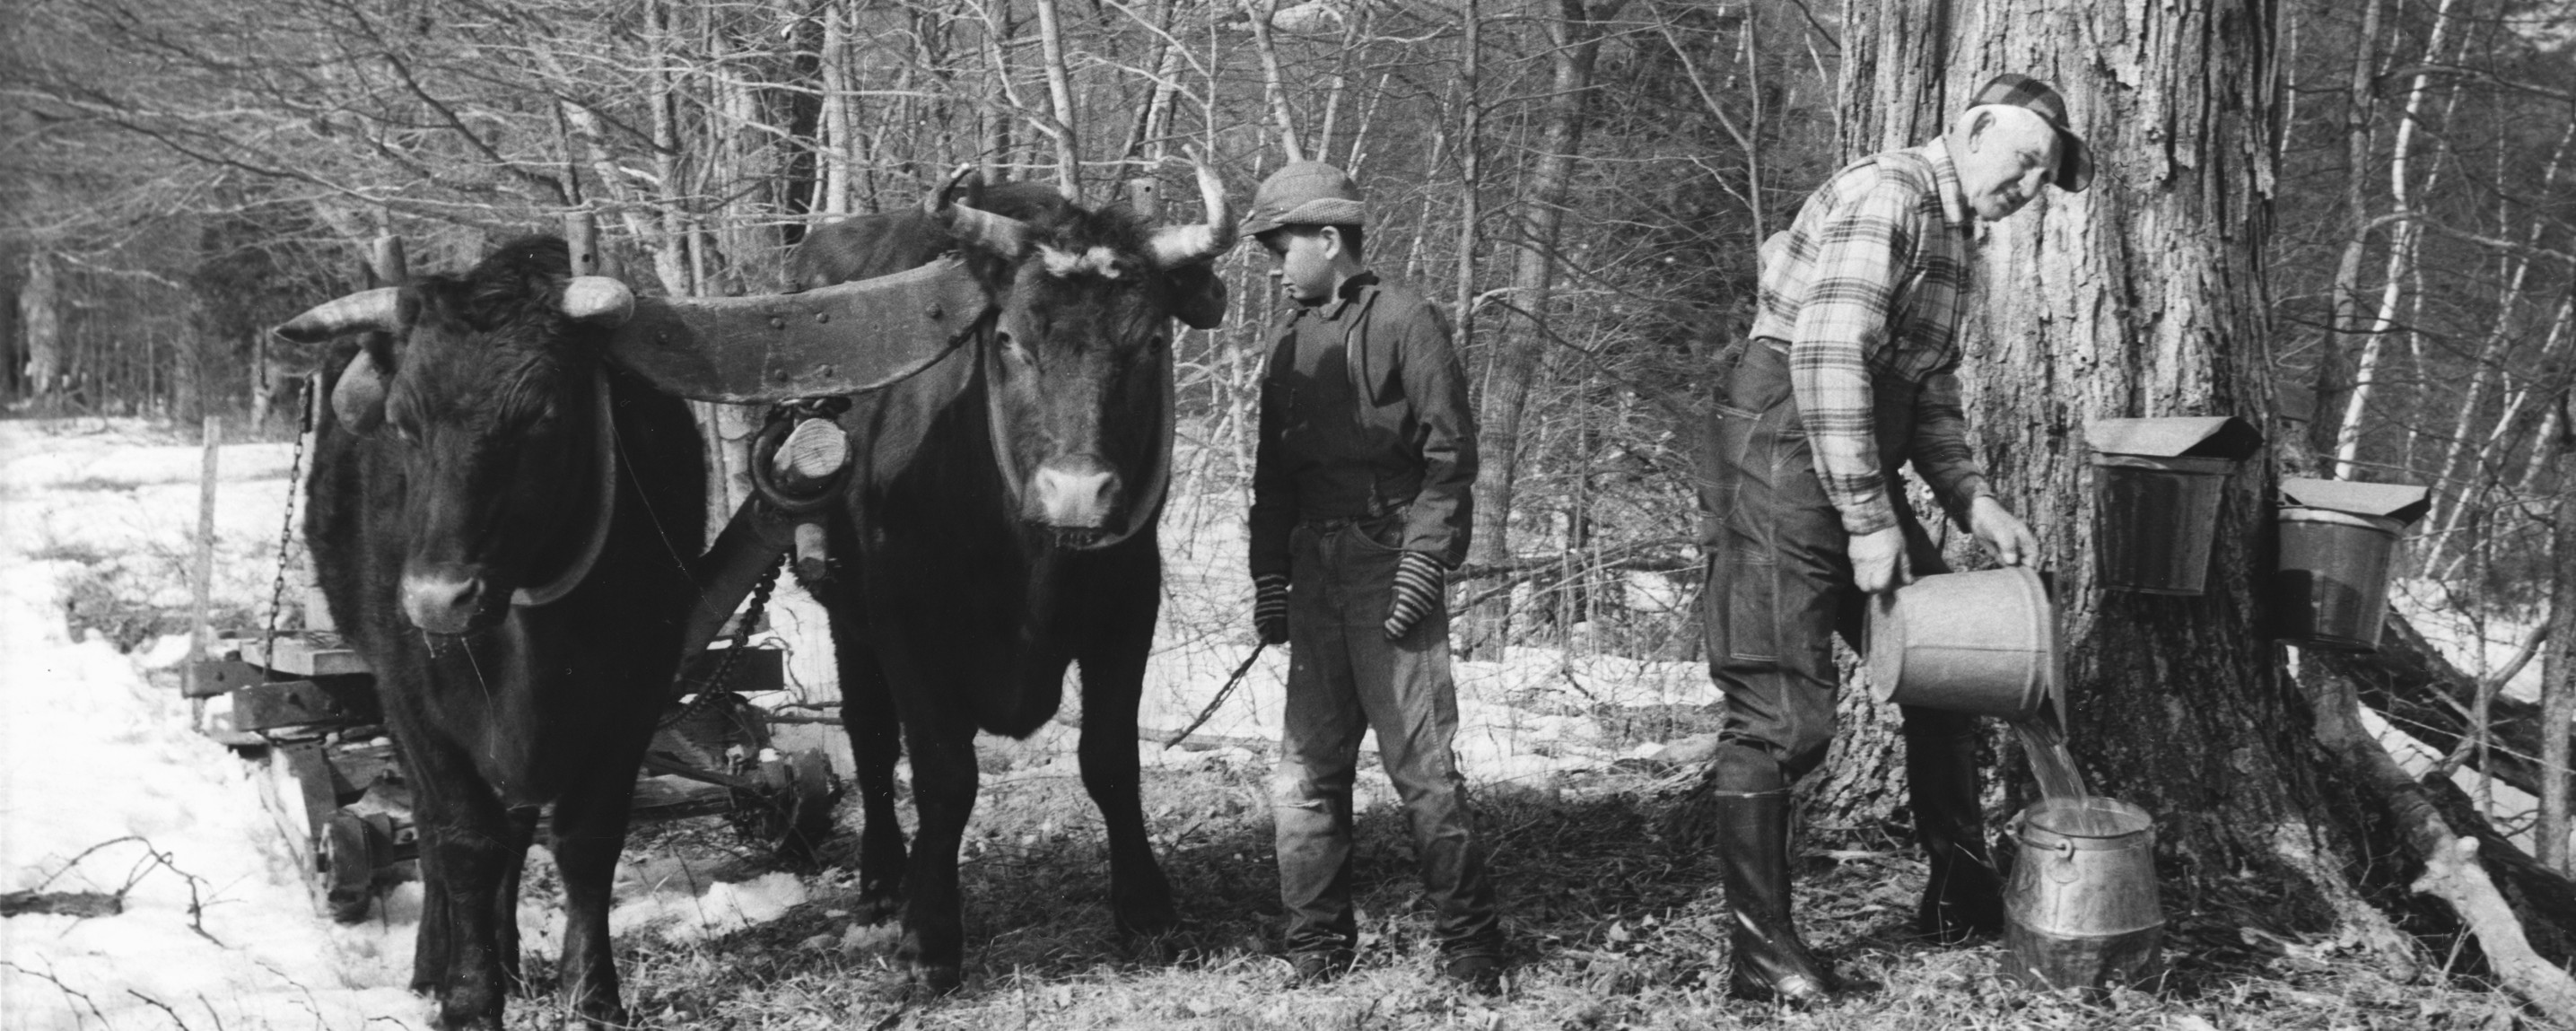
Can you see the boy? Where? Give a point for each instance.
(1361, 505)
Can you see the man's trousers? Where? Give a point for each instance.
(1780, 581)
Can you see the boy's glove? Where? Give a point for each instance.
(1270, 607)
(1419, 584)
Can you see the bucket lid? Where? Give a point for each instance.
(2176, 436)
(2403, 502)
(2375, 524)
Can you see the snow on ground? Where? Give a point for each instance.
(101, 769)
(2479, 644)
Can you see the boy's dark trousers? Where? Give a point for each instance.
(1344, 679)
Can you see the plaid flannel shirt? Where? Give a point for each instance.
(1865, 288)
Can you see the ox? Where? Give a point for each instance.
(999, 525)
(502, 523)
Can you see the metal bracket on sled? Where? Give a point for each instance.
(798, 463)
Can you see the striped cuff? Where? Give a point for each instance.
(1420, 584)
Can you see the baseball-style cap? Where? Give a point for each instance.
(2074, 162)
(1304, 193)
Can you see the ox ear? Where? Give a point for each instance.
(1198, 295)
(358, 399)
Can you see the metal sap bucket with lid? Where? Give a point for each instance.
(2157, 484)
(2338, 541)
(2081, 910)
(1983, 643)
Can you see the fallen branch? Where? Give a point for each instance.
(160, 1005)
(1221, 693)
(152, 857)
(2453, 872)
(2411, 683)
(60, 903)
(67, 990)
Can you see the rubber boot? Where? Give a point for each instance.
(1751, 807)
(1964, 896)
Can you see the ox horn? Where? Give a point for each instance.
(364, 310)
(598, 299)
(998, 234)
(1181, 245)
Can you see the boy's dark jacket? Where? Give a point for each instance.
(1409, 397)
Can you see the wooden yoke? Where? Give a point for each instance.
(844, 339)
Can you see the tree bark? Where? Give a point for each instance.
(2333, 377)
(2558, 669)
(40, 312)
(839, 125)
(1273, 88)
(2403, 239)
(1574, 41)
(1068, 144)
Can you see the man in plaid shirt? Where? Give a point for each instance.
(1851, 372)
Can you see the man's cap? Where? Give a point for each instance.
(1304, 193)
(2074, 161)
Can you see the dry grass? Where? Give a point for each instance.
(1614, 930)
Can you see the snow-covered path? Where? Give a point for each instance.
(217, 927)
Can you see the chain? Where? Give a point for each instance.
(286, 526)
(741, 640)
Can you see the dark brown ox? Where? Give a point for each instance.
(501, 521)
(1000, 525)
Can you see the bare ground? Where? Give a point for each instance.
(1614, 929)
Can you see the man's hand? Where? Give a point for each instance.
(1270, 607)
(1878, 561)
(2004, 534)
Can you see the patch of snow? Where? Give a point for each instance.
(2478, 643)
(100, 769)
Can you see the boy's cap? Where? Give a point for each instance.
(2074, 162)
(1304, 193)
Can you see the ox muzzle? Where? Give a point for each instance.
(445, 599)
(1077, 497)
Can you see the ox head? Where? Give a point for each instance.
(1077, 362)
(484, 390)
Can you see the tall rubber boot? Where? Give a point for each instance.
(1751, 808)
(1964, 896)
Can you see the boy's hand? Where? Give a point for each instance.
(1419, 584)
(1270, 607)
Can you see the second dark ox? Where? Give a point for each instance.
(999, 525)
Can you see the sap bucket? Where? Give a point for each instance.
(2338, 540)
(2081, 909)
(2157, 484)
(1982, 643)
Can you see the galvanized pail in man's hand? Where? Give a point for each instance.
(1982, 643)
(2081, 910)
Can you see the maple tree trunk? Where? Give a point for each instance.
(2146, 296)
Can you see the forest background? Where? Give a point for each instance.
(1583, 183)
